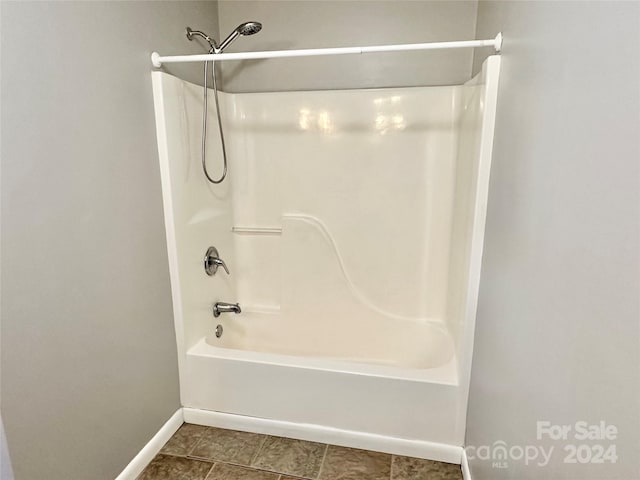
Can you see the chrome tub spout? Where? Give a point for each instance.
(224, 307)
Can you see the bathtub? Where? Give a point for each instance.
(343, 401)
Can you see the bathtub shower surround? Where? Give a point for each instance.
(352, 226)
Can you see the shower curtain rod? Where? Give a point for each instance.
(157, 60)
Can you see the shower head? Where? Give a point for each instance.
(247, 28)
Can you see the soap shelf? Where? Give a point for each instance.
(244, 230)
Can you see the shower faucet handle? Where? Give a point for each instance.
(212, 261)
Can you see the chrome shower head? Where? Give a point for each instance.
(247, 28)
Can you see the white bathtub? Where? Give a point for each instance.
(326, 399)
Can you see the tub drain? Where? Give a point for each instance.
(219, 331)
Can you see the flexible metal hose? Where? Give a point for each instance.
(204, 123)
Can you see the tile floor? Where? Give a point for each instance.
(206, 453)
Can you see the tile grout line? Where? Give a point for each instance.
(393, 458)
(324, 457)
(209, 472)
(257, 454)
(190, 451)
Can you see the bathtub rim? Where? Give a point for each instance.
(445, 374)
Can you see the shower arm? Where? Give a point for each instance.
(212, 43)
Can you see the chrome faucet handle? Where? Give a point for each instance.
(218, 262)
(212, 261)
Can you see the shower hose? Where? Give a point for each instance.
(204, 123)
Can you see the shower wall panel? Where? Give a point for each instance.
(197, 214)
(478, 99)
(368, 176)
(469, 141)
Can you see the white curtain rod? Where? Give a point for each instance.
(157, 60)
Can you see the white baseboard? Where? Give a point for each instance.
(317, 433)
(464, 463)
(144, 457)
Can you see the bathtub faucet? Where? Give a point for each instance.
(212, 261)
(224, 307)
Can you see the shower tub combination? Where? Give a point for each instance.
(352, 225)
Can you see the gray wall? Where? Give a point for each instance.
(89, 368)
(557, 334)
(318, 24)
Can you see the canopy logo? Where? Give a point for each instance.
(499, 453)
(583, 443)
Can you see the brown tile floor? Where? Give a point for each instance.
(206, 453)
